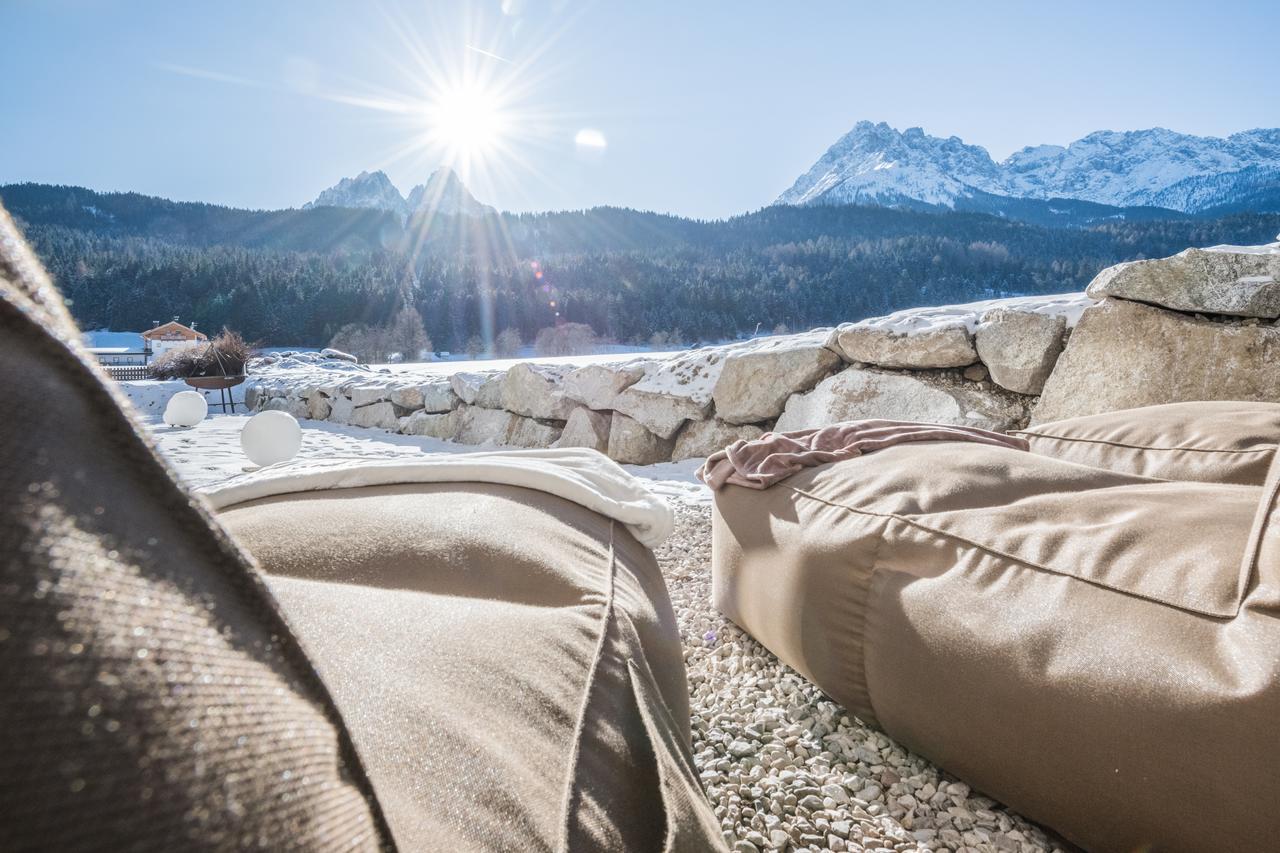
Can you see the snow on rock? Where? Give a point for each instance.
(1265, 249)
(969, 314)
(597, 386)
(480, 389)
(1242, 281)
(433, 395)
(683, 388)
(935, 345)
(941, 337)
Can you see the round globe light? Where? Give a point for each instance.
(185, 409)
(271, 437)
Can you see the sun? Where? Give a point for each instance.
(467, 121)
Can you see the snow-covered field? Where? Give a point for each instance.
(210, 452)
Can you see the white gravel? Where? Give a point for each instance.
(785, 767)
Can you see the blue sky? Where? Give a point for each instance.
(707, 108)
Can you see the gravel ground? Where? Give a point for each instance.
(785, 767)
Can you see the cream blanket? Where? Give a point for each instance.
(583, 476)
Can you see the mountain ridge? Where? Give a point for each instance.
(1155, 168)
(443, 192)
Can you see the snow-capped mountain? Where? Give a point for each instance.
(443, 193)
(876, 164)
(367, 189)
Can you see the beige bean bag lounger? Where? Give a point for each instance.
(1096, 648)
(424, 667)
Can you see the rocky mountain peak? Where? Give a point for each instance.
(444, 192)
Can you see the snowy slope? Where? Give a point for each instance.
(876, 164)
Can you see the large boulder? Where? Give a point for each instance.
(885, 343)
(295, 406)
(1243, 281)
(941, 336)
(857, 393)
(329, 352)
(341, 409)
(630, 442)
(432, 395)
(534, 432)
(364, 395)
(478, 389)
(431, 424)
(380, 415)
(533, 390)
(586, 428)
(318, 405)
(702, 438)
(1020, 348)
(598, 385)
(755, 382)
(674, 391)
(1123, 355)
(479, 425)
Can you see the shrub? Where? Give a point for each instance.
(226, 355)
(566, 339)
(508, 343)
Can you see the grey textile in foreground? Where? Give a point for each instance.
(153, 697)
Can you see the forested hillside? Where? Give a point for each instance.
(296, 277)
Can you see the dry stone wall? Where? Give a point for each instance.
(1199, 325)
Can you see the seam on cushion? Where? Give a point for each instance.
(683, 777)
(866, 634)
(572, 794)
(1266, 448)
(1256, 536)
(230, 562)
(1022, 561)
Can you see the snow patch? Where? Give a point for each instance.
(928, 319)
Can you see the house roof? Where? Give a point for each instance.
(174, 331)
(101, 340)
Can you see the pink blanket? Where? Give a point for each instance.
(761, 462)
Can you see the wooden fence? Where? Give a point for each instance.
(126, 372)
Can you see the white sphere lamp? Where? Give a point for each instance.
(185, 409)
(271, 437)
